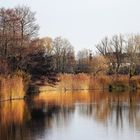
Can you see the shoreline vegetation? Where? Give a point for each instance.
(29, 64)
(84, 81)
(13, 87)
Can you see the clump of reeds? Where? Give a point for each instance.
(72, 81)
(11, 87)
(83, 81)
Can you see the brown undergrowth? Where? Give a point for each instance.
(84, 81)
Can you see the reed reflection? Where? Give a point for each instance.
(102, 106)
(40, 117)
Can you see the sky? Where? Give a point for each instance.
(83, 22)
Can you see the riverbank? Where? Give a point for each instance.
(15, 86)
(84, 81)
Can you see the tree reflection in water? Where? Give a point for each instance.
(36, 119)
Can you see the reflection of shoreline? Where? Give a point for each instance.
(86, 96)
(17, 121)
(47, 111)
(12, 111)
(12, 99)
(100, 106)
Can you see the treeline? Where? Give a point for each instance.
(21, 49)
(17, 29)
(122, 53)
(119, 54)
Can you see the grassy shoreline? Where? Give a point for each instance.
(84, 81)
(15, 86)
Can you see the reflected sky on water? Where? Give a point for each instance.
(72, 115)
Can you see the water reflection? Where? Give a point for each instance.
(70, 115)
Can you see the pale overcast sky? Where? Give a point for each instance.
(83, 22)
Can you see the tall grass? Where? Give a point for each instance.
(84, 81)
(11, 87)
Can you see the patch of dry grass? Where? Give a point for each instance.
(11, 87)
(84, 81)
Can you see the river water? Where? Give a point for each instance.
(83, 115)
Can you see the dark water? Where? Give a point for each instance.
(85, 115)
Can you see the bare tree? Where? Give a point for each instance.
(133, 51)
(112, 49)
(62, 49)
(103, 46)
(28, 27)
(117, 47)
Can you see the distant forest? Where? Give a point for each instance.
(22, 50)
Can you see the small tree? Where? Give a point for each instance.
(98, 65)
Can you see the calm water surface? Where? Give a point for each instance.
(84, 115)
